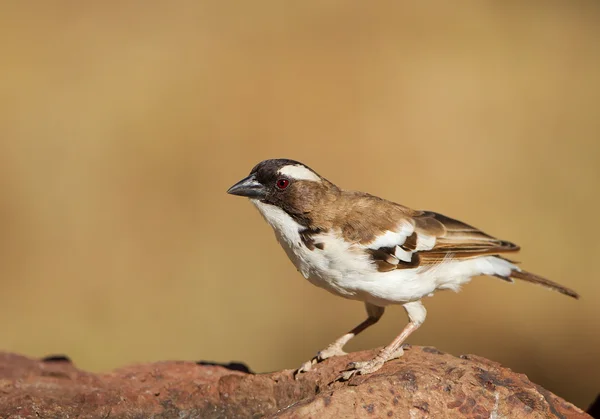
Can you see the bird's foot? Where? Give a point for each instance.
(361, 368)
(331, 351)
(367, 367)
(397, 354)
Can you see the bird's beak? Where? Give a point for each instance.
(248, 187)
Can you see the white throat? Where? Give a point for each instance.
(285, 227)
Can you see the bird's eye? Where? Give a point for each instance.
(282, 183)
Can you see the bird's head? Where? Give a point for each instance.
(287, 184)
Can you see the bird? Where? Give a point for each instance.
(362, 247)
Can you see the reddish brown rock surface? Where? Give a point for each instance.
(423, 383)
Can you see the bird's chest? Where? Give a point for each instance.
(322, 258)
(310, 263)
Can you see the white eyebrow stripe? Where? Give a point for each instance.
(298, 172)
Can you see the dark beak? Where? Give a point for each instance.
(248, 187)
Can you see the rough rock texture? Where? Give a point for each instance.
(423, 383)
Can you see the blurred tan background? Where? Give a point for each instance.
(122, 125)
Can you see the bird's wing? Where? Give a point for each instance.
(427, 238)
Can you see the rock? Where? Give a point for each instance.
(423, 383)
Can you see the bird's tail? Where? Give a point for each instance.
(535, 279)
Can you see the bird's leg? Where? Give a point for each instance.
(416, 314)
(335, 349)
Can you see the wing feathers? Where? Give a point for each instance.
(397, 237)
(427, 238)
(459, 238)
(410, 243)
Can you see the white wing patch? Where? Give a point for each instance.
(425, 242)
(402, 254)
(299, 172)
(393, 238)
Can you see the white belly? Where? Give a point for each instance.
(346, 270)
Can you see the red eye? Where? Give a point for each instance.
(282, 183)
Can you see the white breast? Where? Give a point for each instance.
(346, 270)
(332, 267)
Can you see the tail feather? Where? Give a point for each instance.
(535, 279)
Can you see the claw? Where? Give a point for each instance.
(346, 375)
(356, 365)
(330, 351)
(360, 368)
(307, 366)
